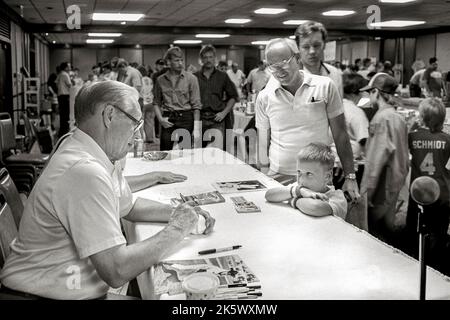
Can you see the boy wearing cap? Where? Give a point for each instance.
(387, 157)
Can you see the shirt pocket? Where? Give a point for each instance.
(313, 111)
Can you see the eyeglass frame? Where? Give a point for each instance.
(282, 64)
(139, 123)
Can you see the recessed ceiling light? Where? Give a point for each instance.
(99, 40)
(123, 22)
(117, 16)
(396, 23)
(104, 34)
(294, 22)
(187, 41)
(338, 13)
(53, 41)
(270, 10)
(292, 37)
(46, 34)
(260, 42)
(237, 21)
(397, 1)
(211, 36)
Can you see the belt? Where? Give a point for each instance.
(176, 112)
(30, 296)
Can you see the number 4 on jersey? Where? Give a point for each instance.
(427, 164)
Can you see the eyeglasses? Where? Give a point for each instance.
(139, 123)
(274, 67)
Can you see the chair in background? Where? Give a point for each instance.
(24, 168)
(8, 188)
(8, 229)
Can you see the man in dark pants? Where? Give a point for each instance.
(218, 95)
(177, 103)
(64, 83)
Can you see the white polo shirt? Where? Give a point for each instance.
(296, 121)
(72, 213)
(327, 70)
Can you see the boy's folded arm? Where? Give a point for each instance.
(313, 207)
(278, 194)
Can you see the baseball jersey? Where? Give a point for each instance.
(431, 157)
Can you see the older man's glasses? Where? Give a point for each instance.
(139, 123)
(282, 65)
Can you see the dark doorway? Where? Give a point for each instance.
(5, 78)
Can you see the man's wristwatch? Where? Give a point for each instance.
(350, 176)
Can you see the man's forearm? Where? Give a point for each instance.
(158, 112)
(142, 181)
(229, 106)
(146, 210)
(129, 261)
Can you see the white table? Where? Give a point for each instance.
(295, 256)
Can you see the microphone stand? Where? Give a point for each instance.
(423, 235)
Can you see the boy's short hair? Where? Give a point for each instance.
(432, 111)
(317, 152)
(352, 82)
(173, 52)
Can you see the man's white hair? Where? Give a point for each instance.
(288, 42)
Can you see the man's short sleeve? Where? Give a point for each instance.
(338, 203)
(261, 117)
(90, 215)
(334, 102)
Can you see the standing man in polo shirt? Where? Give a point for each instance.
(177, 101)
(237, 77)
(64, 83)
(295, 109)
(257, 78)
(218, 95)
(311, 38)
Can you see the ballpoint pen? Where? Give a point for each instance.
(219, 250)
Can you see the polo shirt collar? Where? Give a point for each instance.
(91, 147)
(275, 85)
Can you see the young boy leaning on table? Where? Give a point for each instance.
(313, 193)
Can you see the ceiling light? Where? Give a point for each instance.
(187, 41)
(294, 22)
(104, 34)
(260, 42)
(99, 41)
(292, 37)
(46, 34)
(396, 23)
(53, 41)
(123, 22)
(338, 13)
(397, 1)
(212, 36)
(270, 10)
(117, 16)
(237, 21)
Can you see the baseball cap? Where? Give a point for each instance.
(383, 82)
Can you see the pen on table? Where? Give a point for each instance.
(219, 250)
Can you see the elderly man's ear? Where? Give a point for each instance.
(108, 115)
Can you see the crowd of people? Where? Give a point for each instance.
(332, 138)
